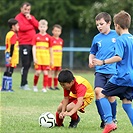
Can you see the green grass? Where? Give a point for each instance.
(20, 110)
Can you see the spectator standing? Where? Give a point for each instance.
(57, 44)
(11, 54)
(42, 55)
(28, 26)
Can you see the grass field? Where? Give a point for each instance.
(21, 109)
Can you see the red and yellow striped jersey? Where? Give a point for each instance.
(12, 39)
(81, 88)
(43, 43)
(57, 45)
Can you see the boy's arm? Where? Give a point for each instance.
(65, 103)
(11, 50)
(91, 57)
(34, 53)
(51, 56)
(107, 61)
(76, 108)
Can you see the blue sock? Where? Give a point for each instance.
(113, 106)
(106, 109)
(4, 81)
(9, 83)
(129, 110)
(100, 111)
(132, 93)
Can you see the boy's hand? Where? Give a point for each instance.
(35, 61)
(61, 115)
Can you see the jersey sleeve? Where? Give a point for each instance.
(119, 48)
(34, 22)
(81, 90)
(50, 41)
(13, 39)
(94, 48)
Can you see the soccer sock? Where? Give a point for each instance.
(74, 116)
(59, 121)
(45, 81)
(106, 109)
(55, 82)
(113, 106)
(99, 108)
(50, 82)
(4, 81)
(36, 79)
(129, 110)
(9, 82)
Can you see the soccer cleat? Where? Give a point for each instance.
(44, 90)
(74, 123)
(102, 125)
(25, 87)
(109, 127)
(82, 110)
(56, 88)
(35, 89)
(10, 90)
(50, 88)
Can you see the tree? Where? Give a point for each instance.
(111, 6)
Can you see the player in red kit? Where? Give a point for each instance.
(42, 55)
(57, 44)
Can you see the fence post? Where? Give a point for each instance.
(71, 52)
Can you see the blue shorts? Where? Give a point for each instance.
(121, 91)
(101, 79)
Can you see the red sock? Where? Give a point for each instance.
(50, 82)
(45, 81)
(36, 79)
(55, 82)
(58, 120)
(74, 116)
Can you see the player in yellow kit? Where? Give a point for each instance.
(78, 93)
(57, 44)
(42, 54)
(11, 54)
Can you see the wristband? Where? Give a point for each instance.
(103, 62)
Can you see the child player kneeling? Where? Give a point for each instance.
(78, 93)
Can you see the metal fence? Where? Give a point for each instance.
(73, 57)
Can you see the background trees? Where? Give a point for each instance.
(75, 16)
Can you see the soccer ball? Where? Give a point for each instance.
(47, 120)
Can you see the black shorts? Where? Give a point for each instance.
(101, 79)
(123, 92)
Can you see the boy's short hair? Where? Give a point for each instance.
(58, 26)
(123, 19)
(105, 16)
(12, 22)
(65, 76)
(43, 22)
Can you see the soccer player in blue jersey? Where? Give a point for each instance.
(103, 48)
(120, 84)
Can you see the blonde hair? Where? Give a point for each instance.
(43, 22)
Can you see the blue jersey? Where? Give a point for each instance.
(103, 47)
(124, 49)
